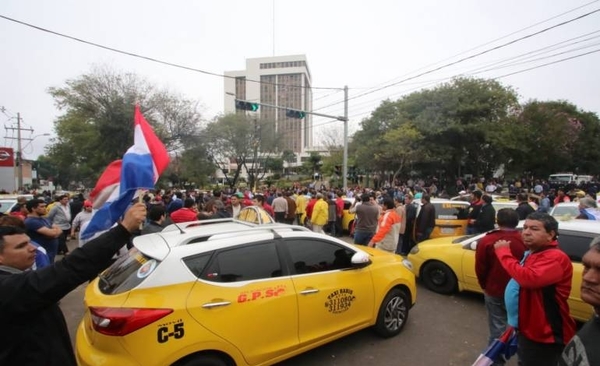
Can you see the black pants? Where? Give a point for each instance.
(62, 241)
(538, 354)
(280, 217)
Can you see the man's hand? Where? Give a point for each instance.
(501, 244)
(135, 216)
(371, 244)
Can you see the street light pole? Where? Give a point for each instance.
(345, 158)
(19, 155)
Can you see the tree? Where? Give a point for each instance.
(451, 126)
(557, 136)
(289, 157)
(236, 139)
(96, 126)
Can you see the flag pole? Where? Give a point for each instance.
(141, 200)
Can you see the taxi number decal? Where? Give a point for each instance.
(260, 294)
(163, 334)
(451, 205)
(340, 300)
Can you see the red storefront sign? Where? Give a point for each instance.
(7, 156)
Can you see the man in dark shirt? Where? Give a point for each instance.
(34, 328)
(40, 230)
(474, 209)
(425, 219)
(524, 208)
(486, 219)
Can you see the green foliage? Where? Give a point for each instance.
(450, 126)
(96, 126)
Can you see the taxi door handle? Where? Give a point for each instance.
(308, 292)
(211, 305)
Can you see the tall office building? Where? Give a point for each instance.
(284, 81)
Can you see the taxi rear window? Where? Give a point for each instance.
(451, 211)
(126, 273)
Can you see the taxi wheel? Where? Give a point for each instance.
(393, 314)
(203, 360)
(439, 278)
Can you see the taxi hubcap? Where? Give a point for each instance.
(438, 277)
(395, 313)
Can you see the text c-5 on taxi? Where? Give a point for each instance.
(226, 292)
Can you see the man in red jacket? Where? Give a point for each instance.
(189, 212)
(492, 277)
(543, 285)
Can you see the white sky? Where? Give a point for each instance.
(356, 43)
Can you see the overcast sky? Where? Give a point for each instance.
(356, 43)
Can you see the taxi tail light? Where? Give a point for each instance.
(122, 321)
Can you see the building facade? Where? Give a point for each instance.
(282, 81)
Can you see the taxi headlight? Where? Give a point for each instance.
(407, 264)
(414, 250)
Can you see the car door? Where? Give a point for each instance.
(245, 297)
(575, 245)
(332, 296)
(468, 265)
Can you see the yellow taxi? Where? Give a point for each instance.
(450, 217)
(228, 292)
(447, 265)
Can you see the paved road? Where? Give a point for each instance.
(442, 330)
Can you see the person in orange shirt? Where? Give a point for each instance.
(388, 228)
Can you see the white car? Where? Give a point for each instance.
(565, 211)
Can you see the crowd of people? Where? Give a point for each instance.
(526, 281)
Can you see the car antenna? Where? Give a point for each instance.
(179, 227)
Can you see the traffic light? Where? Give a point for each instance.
(295, 114)
(246, 106)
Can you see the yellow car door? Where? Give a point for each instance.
(470, 281)
(244, 298)
(332, 296)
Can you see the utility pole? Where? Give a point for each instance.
(19, 152)
(345, 158)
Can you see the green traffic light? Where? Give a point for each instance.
(253, 107)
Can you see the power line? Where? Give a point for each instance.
(490, 42)
(472, 56)
(547, 64)
(147, 58)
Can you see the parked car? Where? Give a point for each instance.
(565, 210)
(228, 292)
(6, 205)
(450, 217)
(447, 265)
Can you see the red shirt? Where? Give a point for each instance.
(184, 215)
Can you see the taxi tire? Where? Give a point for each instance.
(439, 278)
(393, 313)
(203, 360)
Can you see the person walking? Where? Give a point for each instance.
(320, 214)
(492, 277)
(524, 208)
(81, 218)
(39, 228)
(486, 220)
(34, 328)
(280, 207)
(583, 348)
(367, 216)
(425, 219)
(60, 215)
(410, 208)
(536, 296)
(388, 228)
(401, 211)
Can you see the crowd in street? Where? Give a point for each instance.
(525, 278)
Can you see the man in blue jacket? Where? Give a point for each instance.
(34, 330)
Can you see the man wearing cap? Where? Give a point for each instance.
(82, 217)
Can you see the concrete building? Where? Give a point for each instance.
(282, 81)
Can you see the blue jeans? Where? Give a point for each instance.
(363, 237)
(496, 318)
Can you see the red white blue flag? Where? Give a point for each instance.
(140, 168)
